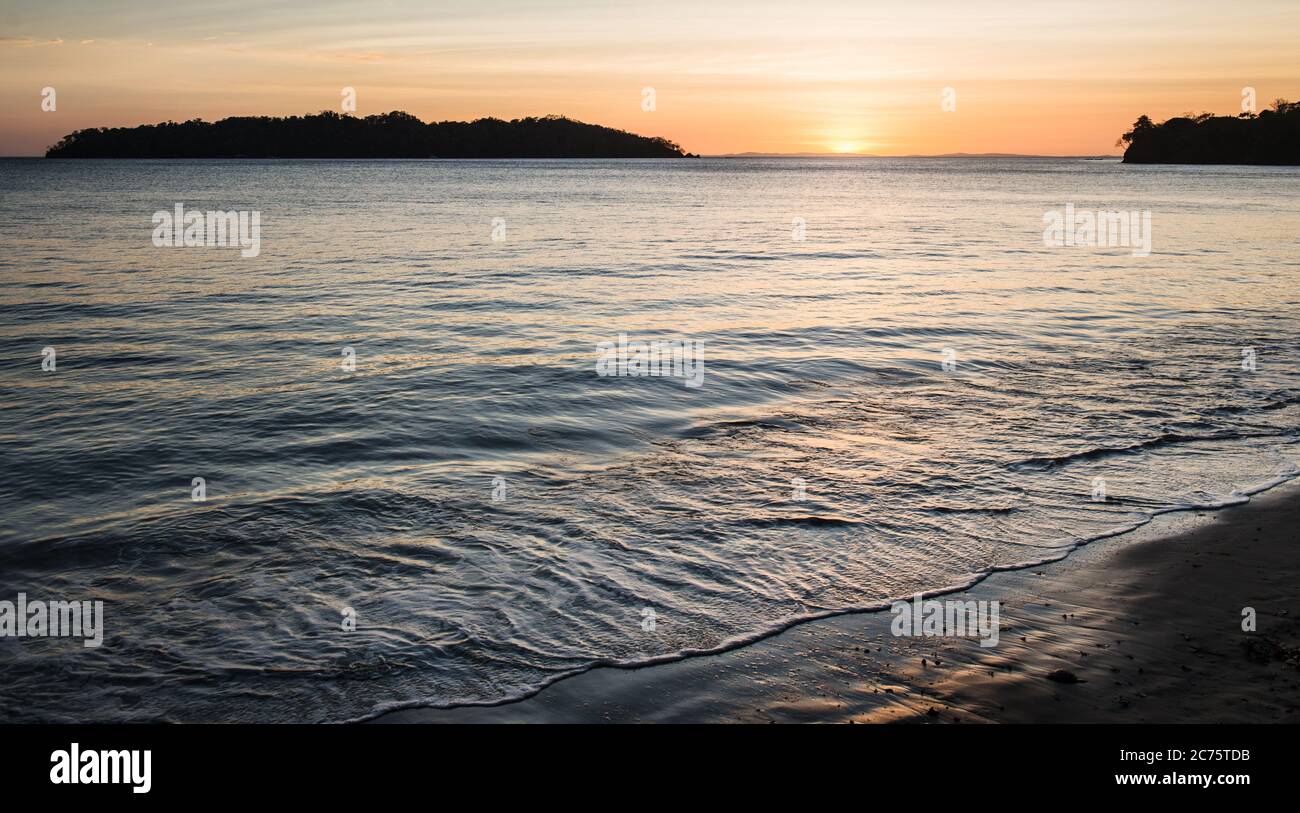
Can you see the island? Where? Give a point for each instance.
(1271, 137)
(388, 135)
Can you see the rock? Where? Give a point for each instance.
(1063, 676)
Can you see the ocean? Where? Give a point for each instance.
(376, 463)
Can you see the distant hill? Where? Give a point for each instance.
(1272, 137)
(390, 135)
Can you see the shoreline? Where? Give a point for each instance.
(1148, 622)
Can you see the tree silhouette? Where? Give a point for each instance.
(388, 135)
(1272, 137)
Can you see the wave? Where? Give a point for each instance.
(737, 642)
(1166, 439)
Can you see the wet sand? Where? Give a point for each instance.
(1149, 624)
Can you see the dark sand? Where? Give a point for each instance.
(1150, 623)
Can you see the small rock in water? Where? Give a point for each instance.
(1063, 676)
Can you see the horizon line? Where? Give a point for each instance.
(713, 155)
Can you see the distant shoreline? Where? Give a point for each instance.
(729, 156)
(329, 135)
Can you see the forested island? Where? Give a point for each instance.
(1272, 137)
(388, 135)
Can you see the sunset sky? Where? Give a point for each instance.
(1051, 78)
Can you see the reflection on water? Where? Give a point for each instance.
(494, 511)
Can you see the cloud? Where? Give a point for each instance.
(28, 42)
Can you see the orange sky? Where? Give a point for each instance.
(816, 76)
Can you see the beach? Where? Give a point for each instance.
(1149, 624)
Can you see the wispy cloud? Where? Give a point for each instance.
(28, 42)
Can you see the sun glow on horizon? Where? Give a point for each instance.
(839, 77)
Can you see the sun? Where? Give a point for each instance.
(845, 147)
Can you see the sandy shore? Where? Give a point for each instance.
(1150, 624)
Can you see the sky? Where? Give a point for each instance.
(728, 76)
